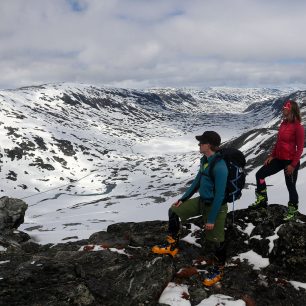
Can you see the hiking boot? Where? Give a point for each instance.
(213, 276)
(172, 239)
(261, 200)
(291, 213)
(171, 247)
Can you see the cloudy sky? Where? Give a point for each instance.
(153, 43)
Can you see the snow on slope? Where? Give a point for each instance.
(229, 100)
(84, 157)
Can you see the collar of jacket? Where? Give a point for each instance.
(205, 159)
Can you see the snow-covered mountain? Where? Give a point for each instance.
(84, 157)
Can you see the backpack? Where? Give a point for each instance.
(235, 162)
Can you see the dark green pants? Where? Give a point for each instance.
(195, 207)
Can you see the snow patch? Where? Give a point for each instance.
(191, 237)
(254, 259)
(272, 238)
(95, 248)
(298, 285)
(2, 249)
(173, 295)
(4, 262)
(220, 299)
(248, 230)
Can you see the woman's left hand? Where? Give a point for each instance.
(289, 170)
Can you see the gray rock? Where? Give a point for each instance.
(11, 216)
(11, 212)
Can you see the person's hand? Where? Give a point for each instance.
(289, 170)
(268, 160)
(177, 203)
(209, 226)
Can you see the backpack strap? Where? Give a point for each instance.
(211, 173)
(212, 166)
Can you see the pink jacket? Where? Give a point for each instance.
(290, 142)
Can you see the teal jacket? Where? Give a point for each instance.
(210, 189)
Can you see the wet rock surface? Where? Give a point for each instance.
(116, 267)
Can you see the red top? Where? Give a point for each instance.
(290, 142)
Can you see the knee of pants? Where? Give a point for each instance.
(258, 175)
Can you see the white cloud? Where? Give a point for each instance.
(153, 43)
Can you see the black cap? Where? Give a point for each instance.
(210, 137)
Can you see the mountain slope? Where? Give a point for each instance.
(84, 157)
(258, 142)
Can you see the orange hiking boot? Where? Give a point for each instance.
(172, 240)
(213, 276)
(171, 247)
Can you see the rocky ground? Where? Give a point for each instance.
(116, 267)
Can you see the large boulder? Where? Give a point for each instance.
(11, 213)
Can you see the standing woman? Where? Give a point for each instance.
(285, 156)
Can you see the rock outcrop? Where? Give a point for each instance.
(12, 213)
(116, 267)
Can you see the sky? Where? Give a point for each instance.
(153, 43)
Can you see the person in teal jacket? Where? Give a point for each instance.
(210, 203)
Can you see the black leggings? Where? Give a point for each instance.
(174, 223)
(273, 167)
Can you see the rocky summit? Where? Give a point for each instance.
(266, 263)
